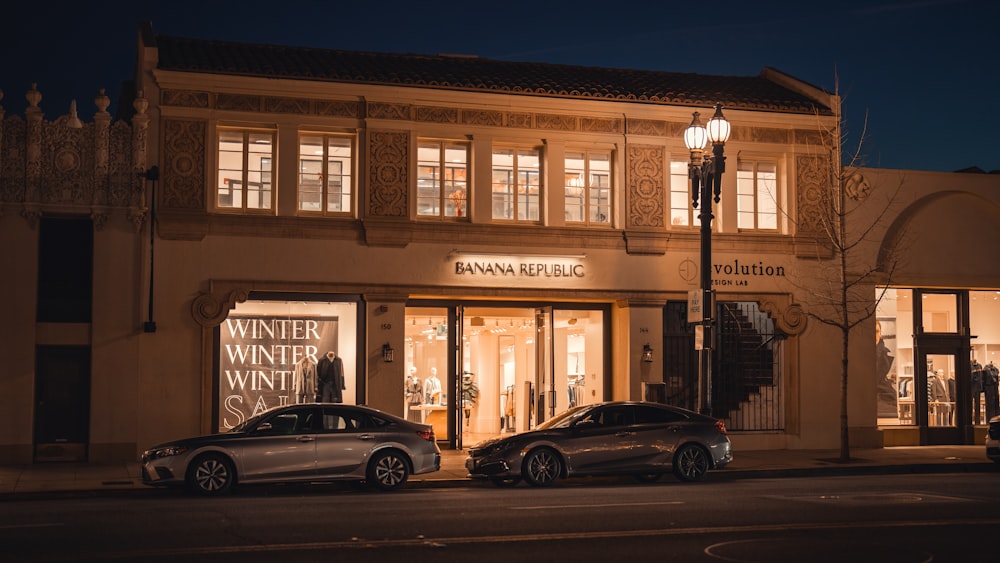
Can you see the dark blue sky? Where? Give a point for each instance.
(925, 73)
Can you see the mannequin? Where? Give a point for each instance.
(414, 390)
(432, 388)
(304, 380)
(330, 376)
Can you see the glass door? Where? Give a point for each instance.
(544, 369)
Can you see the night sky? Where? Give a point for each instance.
(924, 73)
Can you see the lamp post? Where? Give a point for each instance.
(705, 172)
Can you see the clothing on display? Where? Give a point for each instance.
(304, 380)
(330, 377)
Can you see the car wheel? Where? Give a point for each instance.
(648, 477)
(690, 463)
(542, 467)
(388, 470)
(505, 481)
(211, 474)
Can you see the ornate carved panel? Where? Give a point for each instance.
(184, 98)
(209, 309)
(597, 125)
(183, 165)
(646, 194)
(653, 127)
(14, 153)
(813, 183)
(379, 110)
(519, 120)
(286, 105)
(66, 168)
(435, 114)
(555, 122)
(338, 109)
(488, 118)
(387, 175)
(237, 102)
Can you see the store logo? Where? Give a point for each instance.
(519, 269)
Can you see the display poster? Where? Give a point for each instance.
(258, 361)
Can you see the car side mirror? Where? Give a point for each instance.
(585, 424)
(264, 427)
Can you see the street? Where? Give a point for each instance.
(885, 518)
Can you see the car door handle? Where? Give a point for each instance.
(624, 434)
(305, 438)
(365, 437)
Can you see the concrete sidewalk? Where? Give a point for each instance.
(22, 481)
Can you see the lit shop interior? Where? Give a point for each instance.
(513, 367)
(936, 363)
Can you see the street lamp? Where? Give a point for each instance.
(705, 172)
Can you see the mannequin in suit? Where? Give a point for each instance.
(330, 377)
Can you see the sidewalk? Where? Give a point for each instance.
(21, 481)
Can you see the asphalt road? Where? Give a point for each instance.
(884, 518)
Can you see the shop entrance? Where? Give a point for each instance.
(513, 365)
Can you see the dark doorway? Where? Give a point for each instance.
(62, 403)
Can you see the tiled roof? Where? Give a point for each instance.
(478, 74)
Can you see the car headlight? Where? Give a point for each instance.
(166, 451)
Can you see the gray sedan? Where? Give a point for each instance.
(298, 443)
(641, 439)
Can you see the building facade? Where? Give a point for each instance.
(476, 244)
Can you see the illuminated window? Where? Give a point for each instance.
(757, 195)
(588, 187)
(326, 164)
(442, 179)
(682, 213)
(517, 184)
(245, 165)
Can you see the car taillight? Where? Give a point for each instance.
(426, 434)
(720, 426)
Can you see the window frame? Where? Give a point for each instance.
(513, 199)
(452, 194)
(591, 211)
(692, 215)
(348, 171)
(755, 194)
(268, 173)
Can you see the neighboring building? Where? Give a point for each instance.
(513, 234)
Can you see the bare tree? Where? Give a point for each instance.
(846, 220)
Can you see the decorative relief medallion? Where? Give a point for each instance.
(387, 157)
(435, 114)
(184, 167)
(646, 193)
(185, 98)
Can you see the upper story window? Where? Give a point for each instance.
(757, 195)
(682, 212)
(517, 184)
(588, 187)
(326, 181)
(442, 179)
(245, 169)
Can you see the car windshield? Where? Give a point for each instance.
(565, 418)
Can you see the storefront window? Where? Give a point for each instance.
(894, 356)
(274, 353)
(984, 322)
(518, 366)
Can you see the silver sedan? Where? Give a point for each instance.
(641, 439)
(298, 443)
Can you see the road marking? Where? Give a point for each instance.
(361, 543)
(563, 506)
